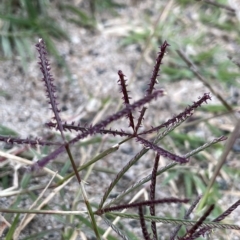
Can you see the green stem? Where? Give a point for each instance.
(90, 212)
(73, 163)
(95, 159)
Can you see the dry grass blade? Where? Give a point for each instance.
(27, 218)
(44, 202)
(26, 162)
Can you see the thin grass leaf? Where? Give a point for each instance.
(130, 234)
(206, 145)
(167, 167)
(119, 176)
(82, 18)
(6, 46)
(31, 9)
(88, 224)
(7, 131)
(188, 184)
(138, 184)
(18, 21)
(175, 221)
(193, 68)
(11, 230)
(115, 228)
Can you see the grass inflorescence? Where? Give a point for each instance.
(132, 132)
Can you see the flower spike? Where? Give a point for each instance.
(123, 85)
(48, 80)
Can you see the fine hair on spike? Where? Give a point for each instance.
(49, 83)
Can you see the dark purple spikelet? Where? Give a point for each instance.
(70, 127)
(130, 108)
(45, 160)
(140, 119)
(189, 235)
(182, 116)
(123, 85)
(227, 212)
(152, 195)
(146, 235)
(202, 231)
(144, 203)
(67, 127)
(31, 142)
(78, 128)
(153, 81)
(48, 80)
(97, 128)
(161, 151)
(156, 69)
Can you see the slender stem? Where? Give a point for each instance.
(95, 159)
(90, 212)
(73, 163)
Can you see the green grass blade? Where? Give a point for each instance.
(88, 224)
(120, 174)
(11, 231)
(7, 131)
(31, 10)
(115, 228)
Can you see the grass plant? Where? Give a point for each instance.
(106, 210)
